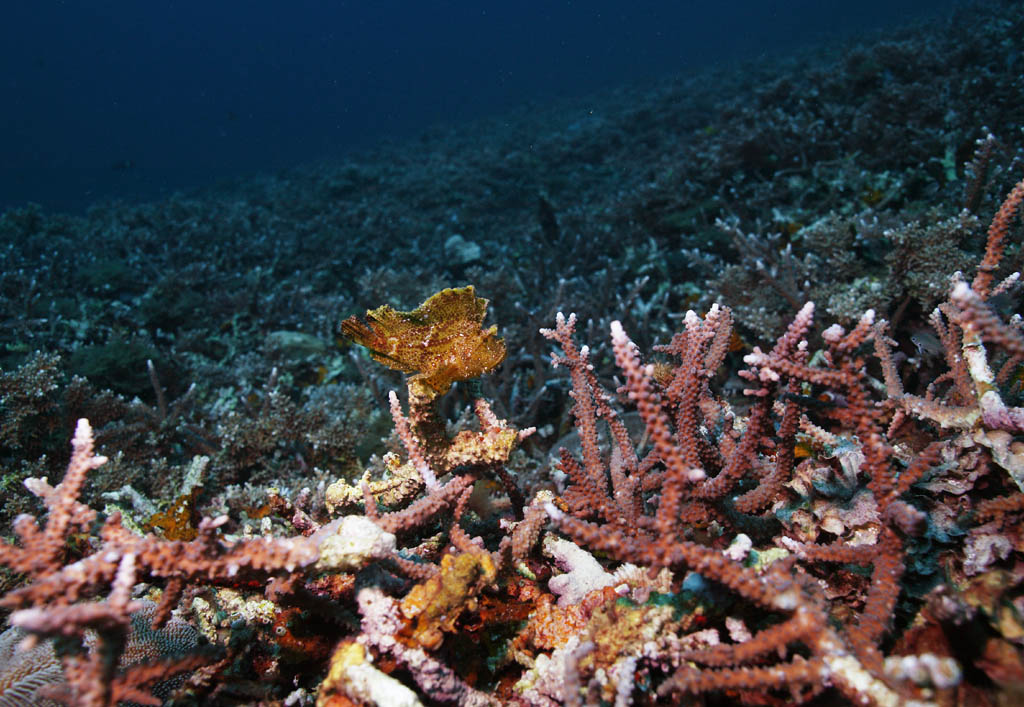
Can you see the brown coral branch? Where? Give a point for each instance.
(996, 242)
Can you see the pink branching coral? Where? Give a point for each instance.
(697, 484)
(761, 550)
(708, 467)
(56, 601)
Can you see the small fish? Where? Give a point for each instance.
(810, 402)
(927, 344)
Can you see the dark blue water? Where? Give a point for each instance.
(131, 99)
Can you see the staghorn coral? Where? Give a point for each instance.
(121, 559)
(797, 534)
(29, 672)
(975, 400)
(465, 351)
(737, 513)
(756, 549)
(700, 459)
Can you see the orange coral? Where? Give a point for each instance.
(297, 638)
(514, 605)
(336, 587)
(441, 341)
(551, 626)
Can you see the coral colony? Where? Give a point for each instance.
(627, 508)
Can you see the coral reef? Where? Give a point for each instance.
(272, 500)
